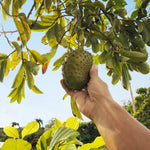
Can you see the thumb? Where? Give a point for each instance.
(94, 71)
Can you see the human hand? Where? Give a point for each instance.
(88, 100)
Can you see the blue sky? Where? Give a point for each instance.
(50, 104)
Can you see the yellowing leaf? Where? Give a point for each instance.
(11, 132)
(98, 142)
(57, 124)
(72, 122)
(26, 27)
(35, 56)
(21, 29)
(45, 66)
(36, 90)
(17, 47)
(75, 109)
(15, 60)
(30, 79)
(30, 128)
(6, 6)
(16, 144)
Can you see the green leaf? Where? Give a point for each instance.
(59, 62)
(21, 30)
(19, 77)
(25, 25)
(30, 79)
(32, 67)
(17, 47)
(11, 132)
(6, 5)
(13, 93)
(2, 69)
(16, 144)
(39, 26)
(51, 36)
(48, 56)
(122, 13)
(30, 128)
(62, 133)
(36, 56)
(75, 109)
(47, 4)
(15, 8)
(21, 2)
(36, 90)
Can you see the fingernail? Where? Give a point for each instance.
(95, 67)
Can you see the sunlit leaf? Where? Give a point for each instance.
(62, 133)
(64, 97)
(35, 56)
(6, 7)
(98, 142)
(39, 26)
(30, 128)
(25, 24)
(75, 109)
(19, 77)
(17, 47)
(15, 60)
(21, 31)
(30, 79)
(16, 144)
(13, 99)
(72, 123)
(13, 93)
(59, 62)
(36, 90)
(11, 132)
(48, 56)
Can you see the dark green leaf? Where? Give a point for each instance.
(47, 4)
(2, 69)
(32, 67)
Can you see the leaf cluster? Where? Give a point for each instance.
(115, 39)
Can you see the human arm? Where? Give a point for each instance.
(118, 128)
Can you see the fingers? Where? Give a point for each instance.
(65, 88)
(94, 71)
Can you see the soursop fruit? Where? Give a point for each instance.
(76, 67)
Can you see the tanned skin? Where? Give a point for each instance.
(118, 128)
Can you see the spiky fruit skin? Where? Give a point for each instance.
(76, 69)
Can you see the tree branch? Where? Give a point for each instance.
(6, 35)
(30, 12)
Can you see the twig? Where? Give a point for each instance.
(5, 35)
(6, 11)
(30, 12)
(37, 15)
(6, 32)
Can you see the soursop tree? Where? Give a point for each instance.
(115, 38)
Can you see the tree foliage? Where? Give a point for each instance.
(142, 105)
(103, 26)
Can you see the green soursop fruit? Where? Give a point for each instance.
(76, 67)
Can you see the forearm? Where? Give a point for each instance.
(119, 129)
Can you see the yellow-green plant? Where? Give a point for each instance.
(60, 137)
